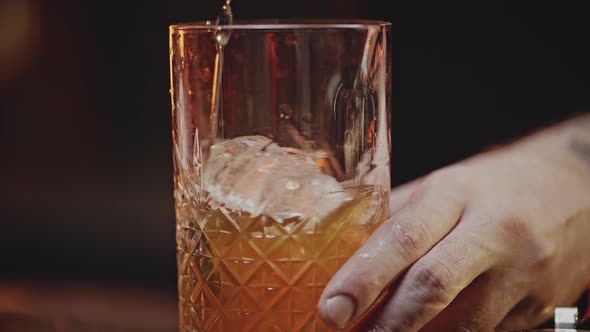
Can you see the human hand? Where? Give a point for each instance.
(493, 242)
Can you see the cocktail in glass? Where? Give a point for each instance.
(281, 151)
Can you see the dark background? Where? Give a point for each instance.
(86, 168)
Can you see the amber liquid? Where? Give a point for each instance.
(244, 273)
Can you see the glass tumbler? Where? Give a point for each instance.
(281, 147)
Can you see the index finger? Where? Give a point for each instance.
(428, 215)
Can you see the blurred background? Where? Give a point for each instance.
(86, 167)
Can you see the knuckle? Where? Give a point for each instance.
(443, 189)
(540, 309)
(540, 312)
(516, 226)
(544, 256)
(519, 234)
(434, 283)
(411, 239)
(545, 312)
(451, 179)
(436, 181)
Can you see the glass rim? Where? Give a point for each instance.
(284, 24)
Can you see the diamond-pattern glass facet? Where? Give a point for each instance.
(240, 273)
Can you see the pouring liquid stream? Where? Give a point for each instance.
(221, 36)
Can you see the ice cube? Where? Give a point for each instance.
(255, 175)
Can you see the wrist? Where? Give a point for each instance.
(566, 145)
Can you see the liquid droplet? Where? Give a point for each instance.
(225, 17)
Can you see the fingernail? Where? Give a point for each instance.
(338, 310)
